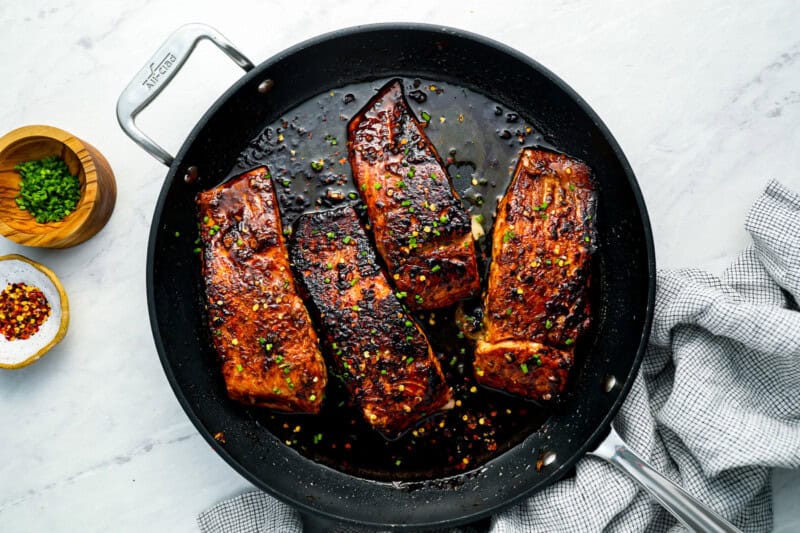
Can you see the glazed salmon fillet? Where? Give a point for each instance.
(380, 352)
(537, 303)
(422, 232)
(260, 327)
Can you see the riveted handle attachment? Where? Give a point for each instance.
(162, 67)
(689, 510)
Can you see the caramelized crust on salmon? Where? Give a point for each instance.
(537, 302)
(260, 327)
(380, 352)
(422, 232)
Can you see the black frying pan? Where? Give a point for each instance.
(625, 276)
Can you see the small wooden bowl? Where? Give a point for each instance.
(34, 270)
(98, 188)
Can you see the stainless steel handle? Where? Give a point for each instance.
(158, 72)
(685, 507)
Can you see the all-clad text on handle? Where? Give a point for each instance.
(159, 70)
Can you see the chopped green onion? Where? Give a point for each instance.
(47, 190)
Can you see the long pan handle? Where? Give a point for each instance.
(685, 507)
(159, 70)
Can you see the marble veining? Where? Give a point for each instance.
(703, 98)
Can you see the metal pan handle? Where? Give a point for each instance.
(159, 70)
(685, 507)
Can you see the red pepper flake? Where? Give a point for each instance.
(23, 309)
(219, 437)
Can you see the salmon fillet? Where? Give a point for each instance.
(260, 327)
(537, 302)
(422, 232)
(380, 352)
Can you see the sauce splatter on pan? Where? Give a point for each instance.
(480, 140)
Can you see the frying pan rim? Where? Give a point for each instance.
(155, 229)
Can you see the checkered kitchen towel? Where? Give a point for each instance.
(715, 406)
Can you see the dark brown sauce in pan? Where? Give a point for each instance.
(307, 154)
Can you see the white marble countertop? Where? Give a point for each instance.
(704, 100)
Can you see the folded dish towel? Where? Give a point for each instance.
(715, 405)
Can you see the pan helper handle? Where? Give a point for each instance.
(686, 508)
(159, 70)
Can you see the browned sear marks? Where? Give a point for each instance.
(260, 326)
(422, 232)
(380, 352)
(537, 302)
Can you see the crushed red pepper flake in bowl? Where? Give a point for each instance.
(23, 309)
(34, 311)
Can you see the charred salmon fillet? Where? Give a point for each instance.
(260, 327)
(422, 232)
(537, 302)
(380, 352)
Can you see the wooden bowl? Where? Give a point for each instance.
(33, 273)
(98, 188)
